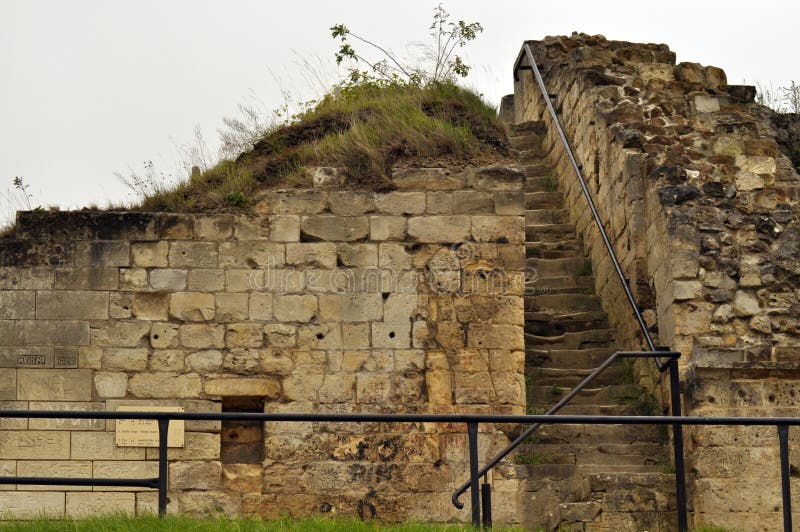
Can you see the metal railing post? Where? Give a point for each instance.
(163, 432)
(472, 436)
(677, 442)
(786, 488)
(486, 500)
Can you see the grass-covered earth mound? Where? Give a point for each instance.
(366, 130)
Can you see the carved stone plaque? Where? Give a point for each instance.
(144, 432)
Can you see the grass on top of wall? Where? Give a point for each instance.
(366, 129)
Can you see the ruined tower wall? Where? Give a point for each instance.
(320, 301)
(704, 213)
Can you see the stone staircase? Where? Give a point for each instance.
(576, 477)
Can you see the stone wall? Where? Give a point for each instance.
(704, 213)
(320, 301)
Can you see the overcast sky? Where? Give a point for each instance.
(90, 87)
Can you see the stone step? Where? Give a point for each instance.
(569, 377)
(579, 409)
(541, 184)
(552, 250)
(544, 324)
(567, 472)
(593, 453)
(575, 266)
(559, 285)
(600, 338)
(615, 394)
(548, 232)
(543, 200)
(581, 359)
(617, 434)
(546, 216)
(535, 165)
(530, 127)
(562, 303)
(525, 141)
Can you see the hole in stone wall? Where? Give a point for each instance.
(242, 442)
(391, 334)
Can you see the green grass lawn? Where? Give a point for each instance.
(173, 524)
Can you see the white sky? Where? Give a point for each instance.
(90, 87)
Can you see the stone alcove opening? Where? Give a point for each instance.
(242, 442)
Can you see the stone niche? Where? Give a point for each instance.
(704, 212)
(319, 301)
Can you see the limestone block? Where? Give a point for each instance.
(439, 203)
(165, 385)
(427, 179)
(747, 181)
(745, 304)
(716, 80)
(33, 332)
(232, 307)
(243, 478)
(400, 203)
(509, 387)
(251, 254)
(126, 359)
(248, 280)
(195, 475)
(192, 306)
(26, 278)
(165, 335)
(361, 306)
(17, 304)
(486, 336)
(373, 388)
(394, 256)
(124, 469)
(683, 290)
(280, 335)
(756, 164)
(244, 335)
(409, 360)
(206, 503)
(319, 254)
(121, 334)
(168, 279)
(150, 254)
(208, 361)
(331, 228)
(34, 445)
(55, 468)
(110, 384)
(507, 229)
(247, 228)
(176, 226)
(99, 253)
(496, 178)
(473, 202)
(658, 71)
(86, 305)
(89, 357)
(268, 387)
(197, 446)
(355, 336)
(387, 228)
(330, 307)
(276, 362)
(337, 389)
(357, 255)
(761, 324)
(54, 385)
(167, 360)
(445, 229)
(302, 385)
(473, 388)
(392, 335)
(32, 505)
(295, 308)
(133, 279)
(206, 280)
(260, 306)
(692, 318)
(193, 254)
(509, 204)
(86, 278)
(66, 424)
(150, 306)
(218, 227)
(284, 228)
(320, 336)
(102, 446)
(706, 104)
(327, 178)
(202, 336)
(348, 203)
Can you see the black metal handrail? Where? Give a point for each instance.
(655, 353)
(481, 514)
(526, 52)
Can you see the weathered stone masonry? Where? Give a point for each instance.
(704, 212)
(321, 301)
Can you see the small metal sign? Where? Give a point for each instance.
(144, 432)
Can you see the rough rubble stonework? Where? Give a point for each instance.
(704, 211)
(322, 301)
